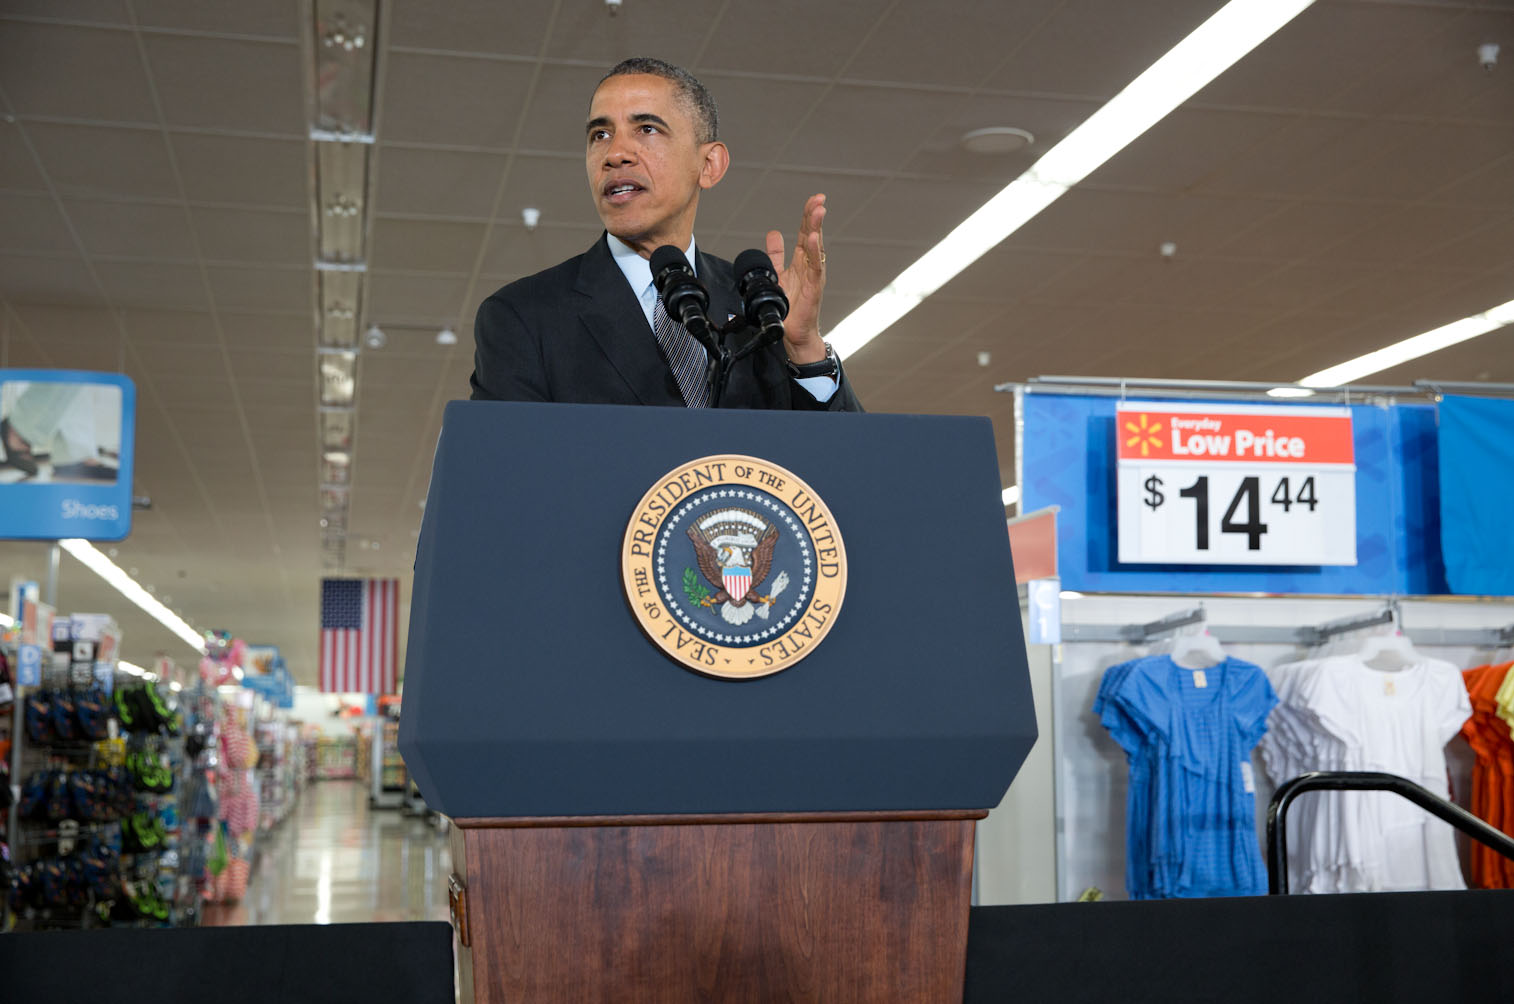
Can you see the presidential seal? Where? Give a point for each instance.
(733, 566)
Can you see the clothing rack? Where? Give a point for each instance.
(1345, 625)
(1173, 622)
(1262, 634)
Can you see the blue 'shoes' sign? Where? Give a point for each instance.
(66, 444)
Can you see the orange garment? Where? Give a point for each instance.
(1492, 773)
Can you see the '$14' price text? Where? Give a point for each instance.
(1248, 494)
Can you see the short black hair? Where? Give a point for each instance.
(700, 104)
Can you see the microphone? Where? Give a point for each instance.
(766, 304)
(683, 295)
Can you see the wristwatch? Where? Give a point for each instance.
(830, 366)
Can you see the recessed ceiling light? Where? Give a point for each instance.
(446, 336)
(996, 140)
(1209, 50)
(374, 337)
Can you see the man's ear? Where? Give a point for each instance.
(716, 160)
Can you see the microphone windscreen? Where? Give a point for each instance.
(752, 259)
(665, 257)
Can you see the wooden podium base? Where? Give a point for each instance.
(769, 907)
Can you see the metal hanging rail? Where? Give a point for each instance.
(1168, 624)
(1063, 384)
(1330, 780)
(1333, 629)
(1262, 634)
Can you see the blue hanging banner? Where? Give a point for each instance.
(1071, 459)
(66, 445)
(1476, 440)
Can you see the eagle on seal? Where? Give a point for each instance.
(755, 563)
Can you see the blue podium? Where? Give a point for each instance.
(628, 828)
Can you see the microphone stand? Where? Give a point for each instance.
(718, 374)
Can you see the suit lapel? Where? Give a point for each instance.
(613, 317)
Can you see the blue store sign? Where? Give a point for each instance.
(66, 445)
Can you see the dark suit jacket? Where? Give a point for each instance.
(576, 333)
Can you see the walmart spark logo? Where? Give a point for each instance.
(1144, 434)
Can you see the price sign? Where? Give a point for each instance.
(1235, 485)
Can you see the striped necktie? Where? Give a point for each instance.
(684, 354)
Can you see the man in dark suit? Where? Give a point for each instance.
(590, 330)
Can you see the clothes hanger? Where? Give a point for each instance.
(1389, 652)
(1199, 650)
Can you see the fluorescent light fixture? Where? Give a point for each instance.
(6, 620)
(1209, 50)
(135, 670)
(1412, 348)
(96, 561)
(1011, 495)
(1290, 392)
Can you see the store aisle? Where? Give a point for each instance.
(336, 861)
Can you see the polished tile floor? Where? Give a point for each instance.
(336, 861)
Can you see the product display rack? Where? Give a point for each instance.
(95, 838)
(336, 758)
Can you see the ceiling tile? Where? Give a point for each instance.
(271, 290)
(99, 11)
(47, 280)
(269, 332)
(272, 18)
(872, 119)
(1412, 233)
(424, 245)
(132, 229)
(234, 169)
(152, 284)
(482, 102)
(228, 84)
(558, 185)
(1300, 229)
(1489, 187)
(31, 224)
(47, 324)
(909, 44)
(751, 39)
(775, 201)
(485, 26)
(150, 328)
(263, 236)
(515, 251)
(437, 182)
(101, 162)
(18, 171)
(414, 297)
(586, 32)
(69, 71)
(1429, 158)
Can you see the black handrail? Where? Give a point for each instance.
(1346, 780)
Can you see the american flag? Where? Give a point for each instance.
(360, 635)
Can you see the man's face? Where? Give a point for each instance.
(645, 164)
